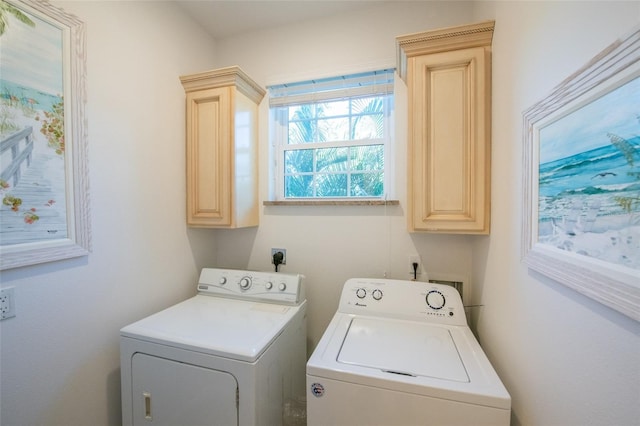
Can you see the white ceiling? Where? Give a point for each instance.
(225, 18)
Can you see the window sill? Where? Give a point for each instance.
(332, 203)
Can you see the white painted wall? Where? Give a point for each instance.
(333, 243)
(60, 354)
(565, 359)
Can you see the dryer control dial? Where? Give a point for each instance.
(435, 299)
(245, 283)
(361, 293)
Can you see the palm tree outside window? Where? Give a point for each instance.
(332, 136)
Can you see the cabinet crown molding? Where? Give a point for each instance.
(441, 40)
(223, 77)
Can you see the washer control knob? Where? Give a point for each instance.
(377, 294)
(361, 293)
(435, 299)
(222, 281)
(245, 283)
(282, 287)
(269, 285)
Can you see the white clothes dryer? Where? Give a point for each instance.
(400, 353)
(231, 355)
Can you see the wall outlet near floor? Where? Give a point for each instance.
(284, 255)
(7, 303)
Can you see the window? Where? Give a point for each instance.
(332, 136)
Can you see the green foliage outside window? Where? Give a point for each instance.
(335, 149)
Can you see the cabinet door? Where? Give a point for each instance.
(449, 153)
(209, 157)
(171, 393)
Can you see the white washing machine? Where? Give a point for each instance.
(231, 355)
(400, 353)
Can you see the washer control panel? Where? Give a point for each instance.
(252, 285)
(415, 300)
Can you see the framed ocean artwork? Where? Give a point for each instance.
(44, 215)
(582, 180)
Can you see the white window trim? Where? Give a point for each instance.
(278, 121)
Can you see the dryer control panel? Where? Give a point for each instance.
(413, 300)
(252, 285)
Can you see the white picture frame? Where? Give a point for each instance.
(64, 233)
(569, 233)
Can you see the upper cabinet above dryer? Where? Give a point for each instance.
(448, 75)
(222, 148)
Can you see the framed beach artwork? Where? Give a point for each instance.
(44, 215)
(582, 180)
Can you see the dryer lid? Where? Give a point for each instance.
(231, 328)
(403, 347)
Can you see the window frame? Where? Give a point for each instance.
(279, 135)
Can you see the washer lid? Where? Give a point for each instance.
(231, 328)
(401, 347)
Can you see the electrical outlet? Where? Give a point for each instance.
(284, 255)
(415, 259)
(7, 303)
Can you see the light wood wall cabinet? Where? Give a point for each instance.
(222, 148)
(448, 75)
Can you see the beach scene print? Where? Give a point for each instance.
(589, 179)
(32, 163)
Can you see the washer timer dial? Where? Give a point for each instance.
(435, 299)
